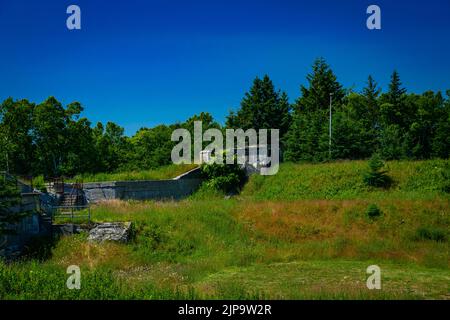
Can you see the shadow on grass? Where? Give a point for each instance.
(39, 248)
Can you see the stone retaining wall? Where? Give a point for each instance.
(177, 188)
(30, 226)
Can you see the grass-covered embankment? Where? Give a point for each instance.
(162, 173)
(343, 180)
(287, 245)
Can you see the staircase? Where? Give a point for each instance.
(72, 204)
(72, 200)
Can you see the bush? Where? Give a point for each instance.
(376, 176)
(431, 233)
(39, 184)
(39, 248)
(9, 197)
(373, 211)
(445, 186)
(228, 178)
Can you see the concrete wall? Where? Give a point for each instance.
(140, 190)
(30, 226)
(177, 188)
(29, 202)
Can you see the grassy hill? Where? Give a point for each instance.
(304, 233)
(343, 180)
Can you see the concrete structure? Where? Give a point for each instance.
(256, 157)
(177, 188)
(32, 225)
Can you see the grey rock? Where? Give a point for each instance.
(111, 231)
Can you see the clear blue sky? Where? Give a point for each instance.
(141, 63)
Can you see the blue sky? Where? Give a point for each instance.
(141, 63)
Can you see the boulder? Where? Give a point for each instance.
(111, 231)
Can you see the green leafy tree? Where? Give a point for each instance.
(419, 136)
(152, 147)
(81, 154)
(391, 143)
(112, 146)
(208, 122)
(223, 177)
(49, 129)
(16, 147)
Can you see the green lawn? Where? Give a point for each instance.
(326, 280)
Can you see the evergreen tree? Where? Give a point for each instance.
(391, 143)
(440, 143)
(394, 110)
(376, 176)
(307, 138)
(9, 196)
(396, 92)
(321, 82)
(394, 120)
(371, 94)
(262, 108)
(351, 138)
(419, 136)
(359, 128)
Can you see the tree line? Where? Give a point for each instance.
(52, 140)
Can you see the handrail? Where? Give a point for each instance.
(72, 213)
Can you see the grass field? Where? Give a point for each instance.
(302, 234)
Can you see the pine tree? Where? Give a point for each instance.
(307, 138)
(376, 176)
(395, 119)
(394, 110)
(321, 82)
(371, 93)
(262, 108)
(396, 91)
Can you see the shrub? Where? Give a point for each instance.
(431, 233)
(151, 235)
(39, 184)
(373, 211)
(228, 178)
(9, 197)
(39, 248)
(376, 176)
(445, 186)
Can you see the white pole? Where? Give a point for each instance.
(329, 144)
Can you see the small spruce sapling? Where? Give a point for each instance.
(376, 176)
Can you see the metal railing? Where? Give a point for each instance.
(72, 212)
